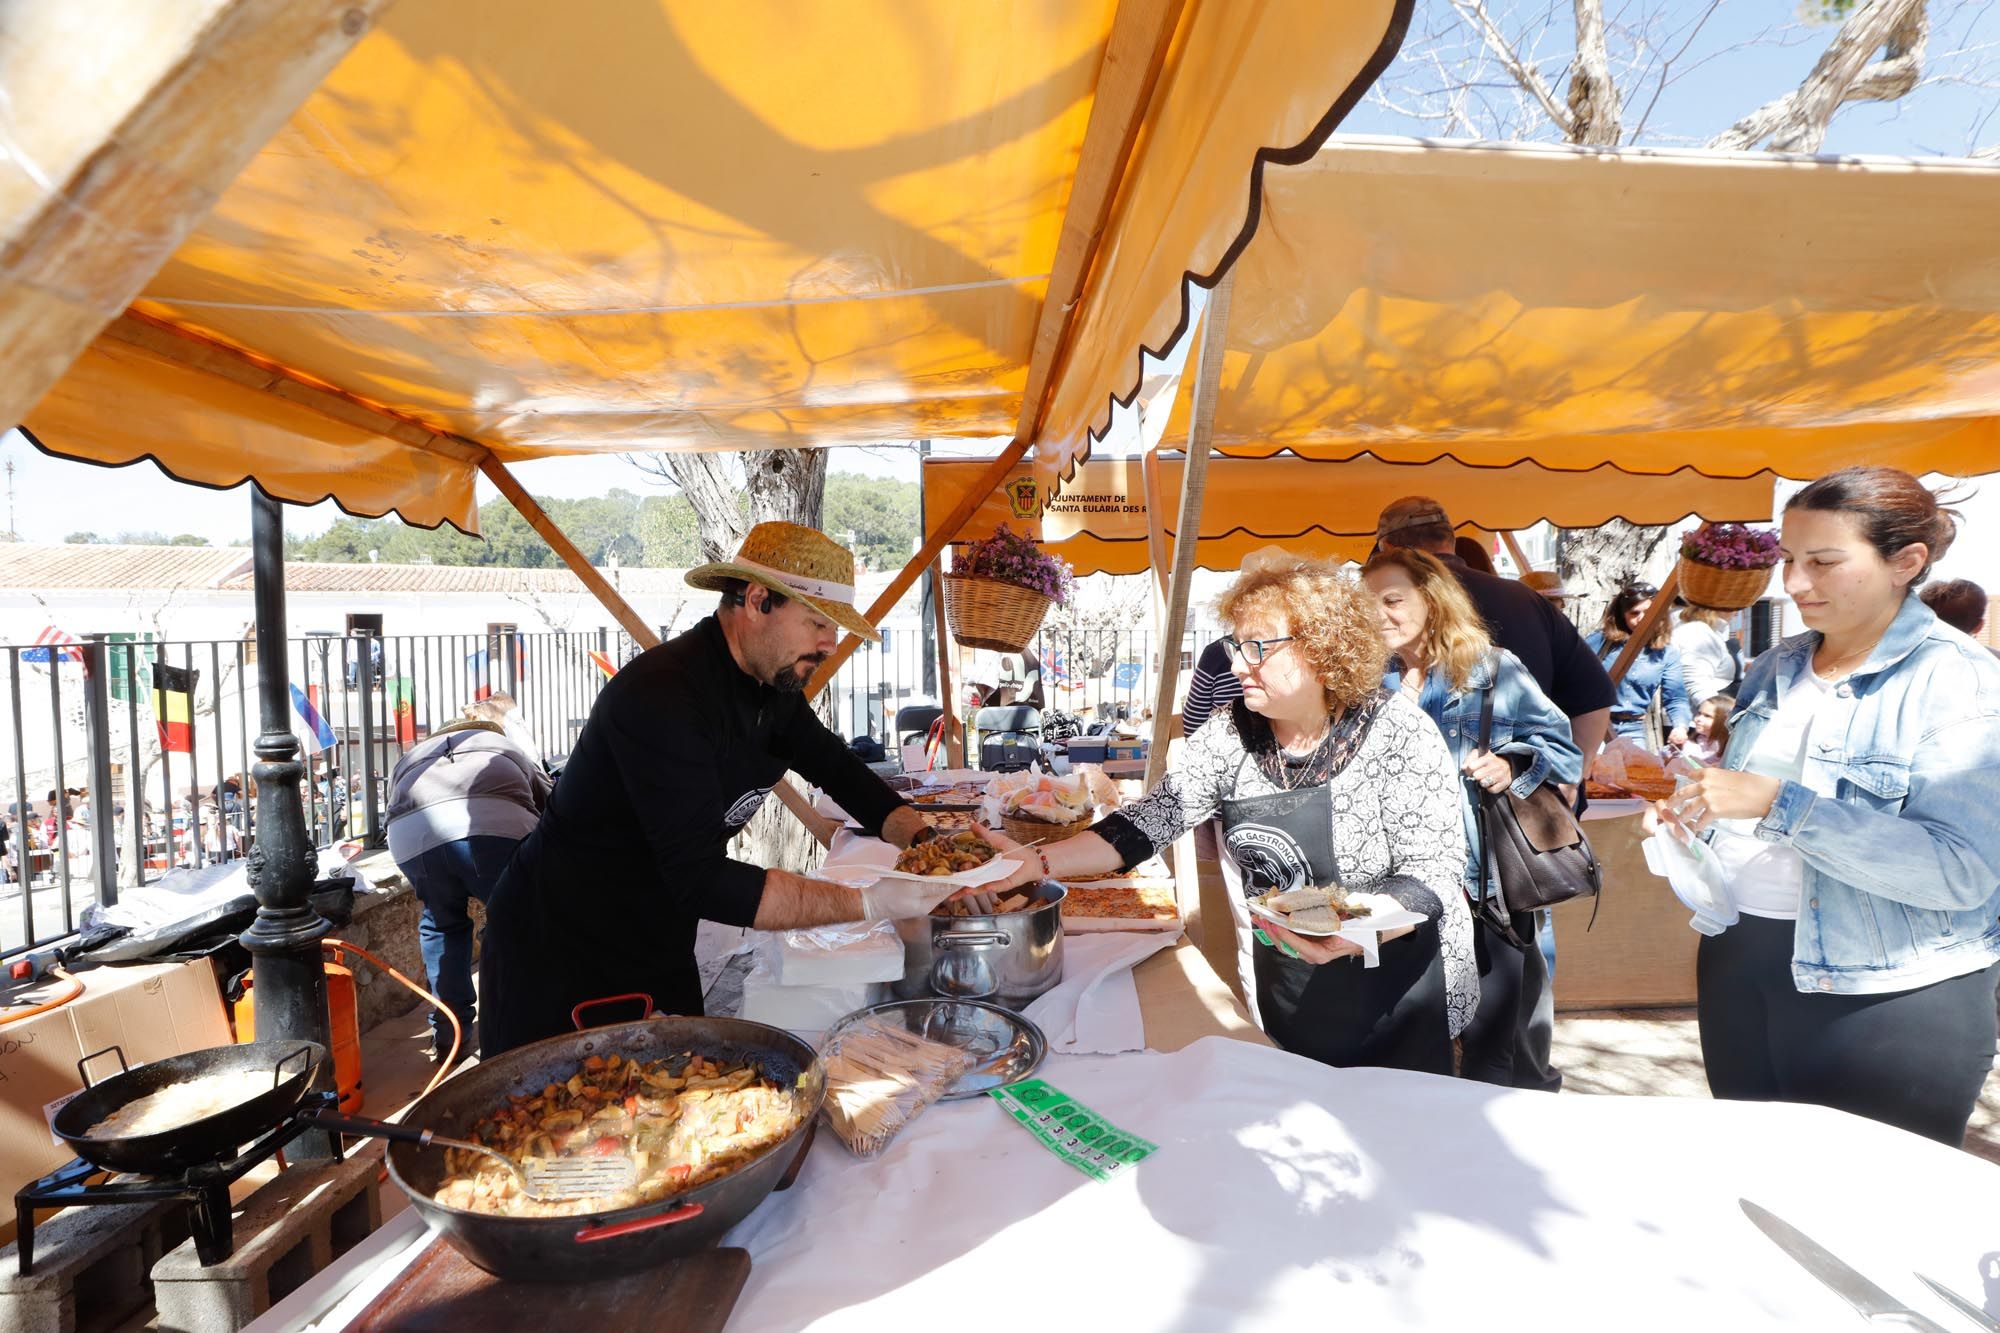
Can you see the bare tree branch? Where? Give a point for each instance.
(1797, 122)
(1530, 78)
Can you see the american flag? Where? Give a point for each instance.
(51, 637)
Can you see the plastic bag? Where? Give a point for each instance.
(1695, 876)
(880, 1076)
(853, 951)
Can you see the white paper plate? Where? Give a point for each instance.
(1385, 913)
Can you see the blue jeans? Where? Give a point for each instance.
(445, 877)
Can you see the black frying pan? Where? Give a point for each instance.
(572, 1249)
(292, 1066)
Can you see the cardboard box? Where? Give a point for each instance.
(149, 1012)
(1121, 748)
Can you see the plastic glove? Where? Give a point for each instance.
(896, 899)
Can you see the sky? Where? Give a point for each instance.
(1746, 51)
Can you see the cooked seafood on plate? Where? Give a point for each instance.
(947, 855)
(1312, 911)
(683, 1120)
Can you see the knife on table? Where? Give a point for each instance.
(1957, 1302)
(1869, 1301)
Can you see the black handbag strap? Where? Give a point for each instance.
(1489, 874)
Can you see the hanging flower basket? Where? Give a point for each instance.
(986, 613)
(1727, 566)
(1000, 589)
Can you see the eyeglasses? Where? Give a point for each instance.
(1254, 651)
(1643, 590)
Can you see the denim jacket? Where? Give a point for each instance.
(1526, 727)
(1652, 669)
(1897, 811)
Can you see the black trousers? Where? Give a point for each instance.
(1915, 1059)
(1496, 1046)
(1343, 1014)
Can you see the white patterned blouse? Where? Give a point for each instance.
(1395, 813)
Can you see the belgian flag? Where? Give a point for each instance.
(173, 706)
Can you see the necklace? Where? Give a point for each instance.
(1830, 668)
(1288, 759)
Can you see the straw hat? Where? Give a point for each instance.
(796, 562)
(1546, 582)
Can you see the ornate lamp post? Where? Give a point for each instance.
(284, 939)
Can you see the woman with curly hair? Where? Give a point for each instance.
(1320, 776)
(1656, 669)
(1443, 661)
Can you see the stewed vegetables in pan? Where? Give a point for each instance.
(683, 1120)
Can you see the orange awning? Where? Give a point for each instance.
(1321, 509)
(686, 225)
(1733, 313)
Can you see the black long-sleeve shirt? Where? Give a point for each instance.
(603, 897)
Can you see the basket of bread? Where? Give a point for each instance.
(1037, 808)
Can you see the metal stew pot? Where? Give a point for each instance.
(628, 1240)
(292, 1065)
(1008, 957)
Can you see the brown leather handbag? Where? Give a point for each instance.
(1535, 853)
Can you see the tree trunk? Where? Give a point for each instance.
(1797, 122)
(1596, 114)
(781, 485)
(1597, 562)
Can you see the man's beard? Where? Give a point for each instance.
(789, 681)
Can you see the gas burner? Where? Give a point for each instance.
(204, 1188)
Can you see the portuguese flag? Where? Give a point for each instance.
(173, 706)
(403, 700)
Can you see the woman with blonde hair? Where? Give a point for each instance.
(1656, 669)
(1320, 776)
(1442, 660)
(1708, 667)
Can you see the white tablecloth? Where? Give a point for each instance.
(1095, 1010)
(1287, 1195)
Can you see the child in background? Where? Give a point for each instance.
(1711, 729)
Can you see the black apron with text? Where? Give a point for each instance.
(1344, 1014)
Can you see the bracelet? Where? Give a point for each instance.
(1043, 856)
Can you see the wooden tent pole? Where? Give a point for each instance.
(122, 148)
(538, 519)
(1514, 549)
(954, 734)
(1194, 479)
(1663, 602)
(934, 543)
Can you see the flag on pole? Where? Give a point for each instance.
(318, 735)
(604, 663)
(173, 706)
(1058, 667)
(402, 698)
(66, 647)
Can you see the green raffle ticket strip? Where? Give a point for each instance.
(1072, 1131)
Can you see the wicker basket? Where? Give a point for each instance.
(1723, 589)
(986, 613)
(1032, 831)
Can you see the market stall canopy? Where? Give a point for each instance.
(685, 225)
(1657, 310)
(1320, 509)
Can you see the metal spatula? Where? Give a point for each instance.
(578, 1177)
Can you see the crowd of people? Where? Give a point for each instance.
(1344, 731)
(1844, 780)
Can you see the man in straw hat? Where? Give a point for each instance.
(680, 750)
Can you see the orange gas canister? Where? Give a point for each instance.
(346, 1019)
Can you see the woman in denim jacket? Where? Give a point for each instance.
(1657, 668)
(1444, 662)
(1856, 817)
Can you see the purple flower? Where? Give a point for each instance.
(1731, 546)
(1011, 558)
